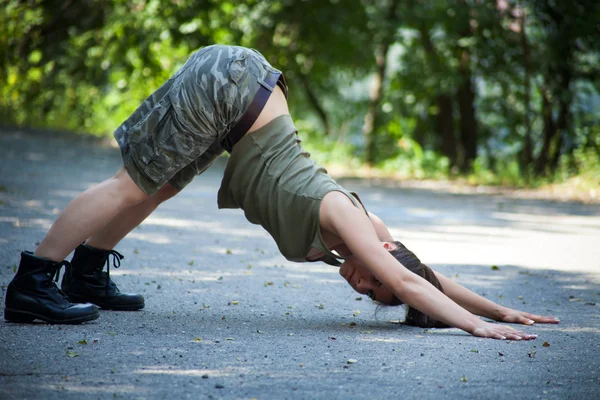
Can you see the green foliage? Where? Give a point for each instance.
(502, 91)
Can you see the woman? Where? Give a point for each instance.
(225, 97)
(308, 214)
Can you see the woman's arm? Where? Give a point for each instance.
(339, 216)
(467, 299)
(486, 308)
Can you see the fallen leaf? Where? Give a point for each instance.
(136, 251)
(249, 266)
(474, 351)
(495, 268)
(220, 278)
(198, 339)
(228, 251)
(352, 323)
(355, 313)
(358, 299)
(464, 379)
(82, 341)
(546, 344)
(269, 283)
(191, 262)
(229, 338)
(235, 302)
(72, 354)
(320, 306)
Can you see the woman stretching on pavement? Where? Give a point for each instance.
(230, 98)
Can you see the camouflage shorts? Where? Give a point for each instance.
(176, 133)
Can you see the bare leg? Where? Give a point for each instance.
(108, 237)
(88, 213)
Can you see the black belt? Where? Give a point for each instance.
(258, 103)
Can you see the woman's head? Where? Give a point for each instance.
(364, 282)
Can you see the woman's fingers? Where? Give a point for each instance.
(503, 333)
(544, 320)
(517, 335)
(529, 319)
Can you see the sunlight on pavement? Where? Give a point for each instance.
(192, 372)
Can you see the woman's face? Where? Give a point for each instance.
(364, 282)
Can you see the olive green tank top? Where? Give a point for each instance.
(274, 181)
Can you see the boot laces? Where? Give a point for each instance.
(55, 275)
(116, 261)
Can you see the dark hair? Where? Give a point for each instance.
(408, 259)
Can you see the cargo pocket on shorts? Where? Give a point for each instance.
(154, 154)
(155, 165)
(238, 69)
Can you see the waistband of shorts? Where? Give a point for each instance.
(266, 87)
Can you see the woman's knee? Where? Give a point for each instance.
(165, 193)
(127, 189)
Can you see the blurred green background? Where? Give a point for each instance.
(494, 91)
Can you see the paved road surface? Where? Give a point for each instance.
(227, 317)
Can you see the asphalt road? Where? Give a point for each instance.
(227, 317)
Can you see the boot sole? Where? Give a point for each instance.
(126, 307)
(28, 317)
(121, 308)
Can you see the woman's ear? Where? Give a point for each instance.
(389, 246)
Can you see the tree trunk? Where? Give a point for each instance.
(466, 107)
(313, 99)
(371, 122)
(542, 160)
(445, 125)
(527, 155)
(562, 123)
(466, 100)
(444, 117)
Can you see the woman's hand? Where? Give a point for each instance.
(501, 332)
(521, 317)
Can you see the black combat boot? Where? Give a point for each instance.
(32, 294)
(87, 282)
